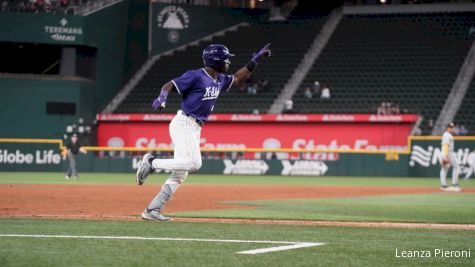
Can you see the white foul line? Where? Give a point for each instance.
(280, 248)
(288, 245)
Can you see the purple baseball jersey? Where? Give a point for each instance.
(200, 91)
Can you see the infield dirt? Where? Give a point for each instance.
(127, 201)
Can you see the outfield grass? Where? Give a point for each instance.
(121, 178)
(343, 246)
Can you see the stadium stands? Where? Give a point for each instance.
(290, 40)
(466, 113)
(408, 59)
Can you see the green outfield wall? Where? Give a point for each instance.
(23, 97)
(24, 105)
(421, 161)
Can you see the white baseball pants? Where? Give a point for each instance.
(445, 169)
(185, 134)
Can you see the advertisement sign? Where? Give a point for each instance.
(425, 157)
(42, 28)
(240, 135)
(30, 157)
(400, 118)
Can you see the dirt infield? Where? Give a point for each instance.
(127, 201)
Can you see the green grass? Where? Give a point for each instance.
(121, 178)
(344, 246)
(424, 208)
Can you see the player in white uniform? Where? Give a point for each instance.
(200, 90)
(449, 159)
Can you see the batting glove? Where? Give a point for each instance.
(263, 52)
(160, 101)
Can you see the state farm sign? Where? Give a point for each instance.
(295, 135)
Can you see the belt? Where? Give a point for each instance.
(199, 122)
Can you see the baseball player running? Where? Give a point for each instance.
(200, 89)
(449, 159)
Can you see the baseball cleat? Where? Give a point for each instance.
(444, 188)
(455, 188)
(154, 215)
(144, 170)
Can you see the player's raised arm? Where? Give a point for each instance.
(245, 72)
(161, 100)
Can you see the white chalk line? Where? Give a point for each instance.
(280, 248)
(287, 244)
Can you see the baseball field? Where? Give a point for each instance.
(46, 220)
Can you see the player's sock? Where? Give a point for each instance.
(455, 176)
(443, 176)
(161, 199)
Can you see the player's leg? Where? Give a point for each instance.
(185, 135)
(455, 172)
(68, 174)
(154, 209)
(444, 169)
(72, 164)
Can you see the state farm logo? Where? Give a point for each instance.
(173, 18)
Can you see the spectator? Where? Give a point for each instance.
(463, 130)
(471, 30)
(316, 86)
(325, 92)
(308, 92)
(456, 130)
(252, 88)
(289, 106)
(416, 131)
(430, 125)
(388, 108)
(5, 5)
(380, 109)
(265, 85)
(395, 109)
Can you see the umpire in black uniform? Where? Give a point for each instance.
(73, 148)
